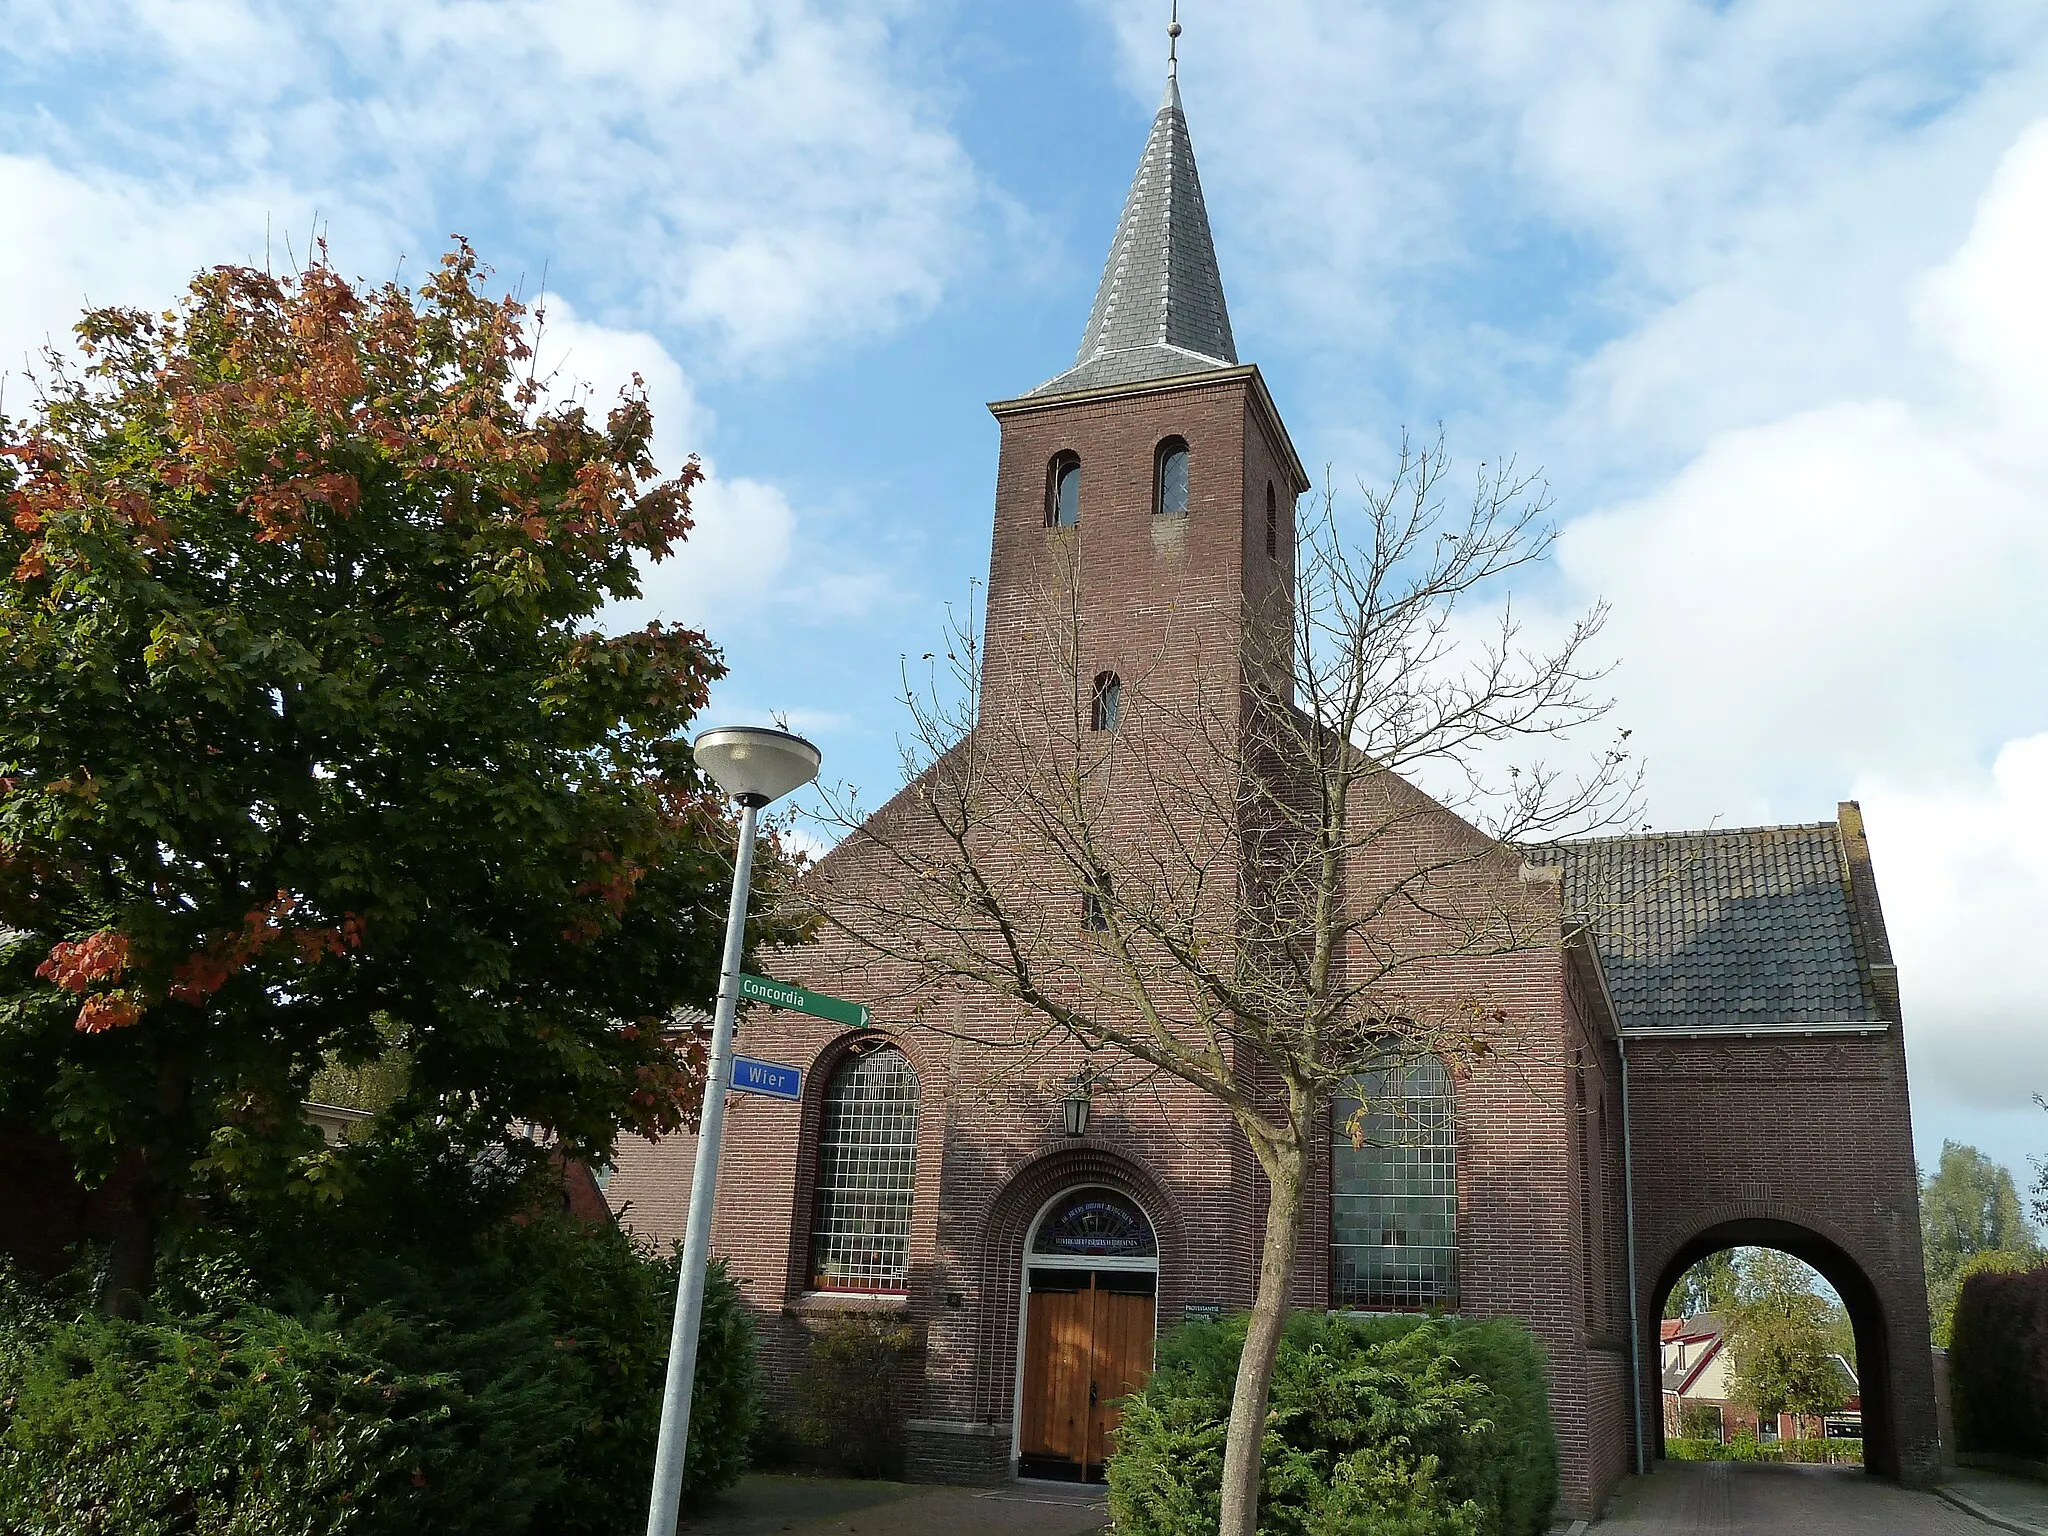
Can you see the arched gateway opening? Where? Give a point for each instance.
(1090, 1292)
(1859, 1297)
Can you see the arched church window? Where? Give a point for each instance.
(867, 1172)
(1063, 490)
(1170, 491)
(1394, 1191)
(1107, 701)
(1096, 1224)
(1272, 523)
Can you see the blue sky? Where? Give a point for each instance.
(1756, 284)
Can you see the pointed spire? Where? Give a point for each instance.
(1159, 310)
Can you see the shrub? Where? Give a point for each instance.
(1943, 1293)
(518, 1391)
(1821, 1452)
(1700, 1421)
(847, 1408)
(252, 1423)
(1422, 1427)
(1746, 1447)
(1998, 1363)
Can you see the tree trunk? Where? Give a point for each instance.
(1286, 1173)
(131, 1259)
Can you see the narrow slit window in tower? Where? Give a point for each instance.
(1063, 491)
(1102, 711)
(1171, 493)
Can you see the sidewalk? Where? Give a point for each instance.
(767, 1504)
(2011, 1503)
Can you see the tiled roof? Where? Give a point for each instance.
(1159, 310)
(1750, 926)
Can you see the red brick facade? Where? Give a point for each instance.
(1539, 1220)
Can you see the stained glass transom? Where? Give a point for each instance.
(1096, 1224)
(867, 1172)
(1394, 1216)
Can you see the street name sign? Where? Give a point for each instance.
(780, 994)
(767, 1077)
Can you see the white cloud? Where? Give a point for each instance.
(1964, 869)
(749, 545)
(765, 172)
(1667, 218)
(1852, 596)
(1856, 587)
(99, 237)
(745, 530)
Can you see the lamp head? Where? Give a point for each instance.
(1075, 1107)
(755, 764)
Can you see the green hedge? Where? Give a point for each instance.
(1943, 1293)
(1378, 1427)
(1998, 1363)
(516, 1393)
(1748, 1448)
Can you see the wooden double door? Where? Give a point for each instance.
(1087, 1343)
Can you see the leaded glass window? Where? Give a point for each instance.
(1107, 702)
(1172, 490)
(1394, 1192)
(867, 1172)
(1063, 491)
(1096, 1224)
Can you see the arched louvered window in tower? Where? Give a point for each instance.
(867, 1173)
(1107, 700)
(1063, 490)
(1272, 523)
(1170, 478)
(1394, 1192)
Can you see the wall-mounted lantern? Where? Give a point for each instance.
(1076, 1106)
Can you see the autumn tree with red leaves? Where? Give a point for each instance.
(307, 731)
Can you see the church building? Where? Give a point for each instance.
(1715, 1059)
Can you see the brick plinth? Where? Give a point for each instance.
(955, 1451)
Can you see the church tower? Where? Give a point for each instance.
(1155, 474)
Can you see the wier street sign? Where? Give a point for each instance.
(780, 994)
(767, 1077)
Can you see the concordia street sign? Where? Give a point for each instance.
(780, 994)
(767, 1077)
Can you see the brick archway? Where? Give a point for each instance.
(1829, 1252)
(1800, 1142)
(1001, 1261)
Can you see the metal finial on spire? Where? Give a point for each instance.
(1173, 43)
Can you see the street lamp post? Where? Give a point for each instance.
(756, 767)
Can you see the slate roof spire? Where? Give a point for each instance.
(1159, 310)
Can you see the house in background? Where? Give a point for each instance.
(1699, 1405)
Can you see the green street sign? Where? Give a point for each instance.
(780, 994)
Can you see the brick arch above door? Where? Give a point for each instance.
(1001, 1265)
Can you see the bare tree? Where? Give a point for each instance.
(1223, 870)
